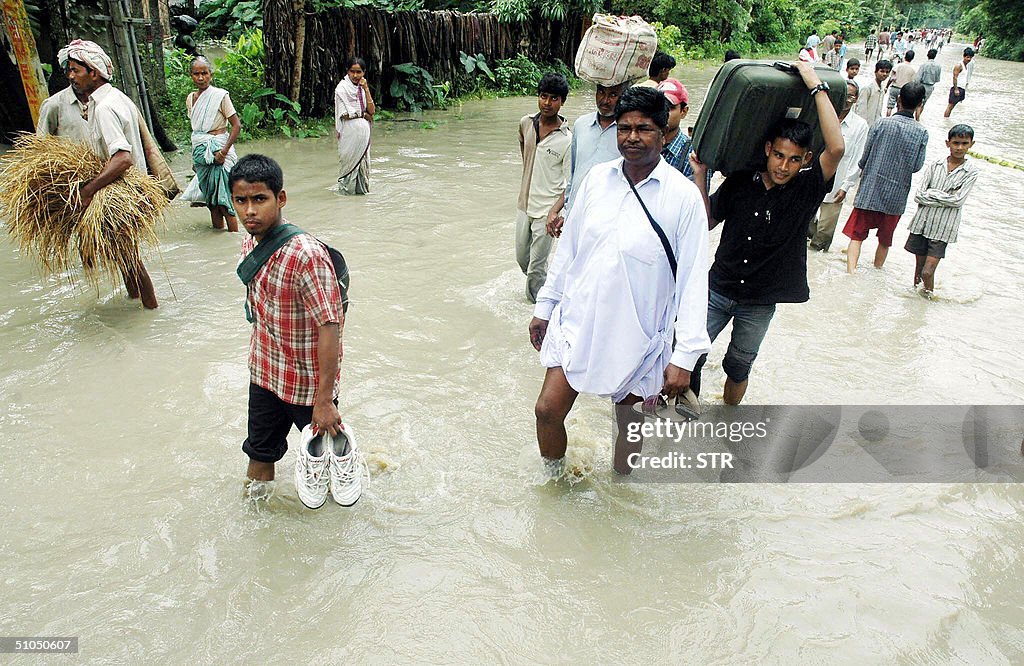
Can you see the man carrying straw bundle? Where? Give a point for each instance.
(114, 133)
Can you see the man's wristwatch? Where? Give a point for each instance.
(818, 88)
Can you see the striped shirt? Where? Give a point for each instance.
(940, 200)
(292, 296)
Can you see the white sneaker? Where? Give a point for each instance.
(347, 467)
(311, 477)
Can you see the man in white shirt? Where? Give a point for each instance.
(64, 114)
(855, 136)
(115, 136)
(869, 100)
(618, 291)
(899, 48)
(961, 78)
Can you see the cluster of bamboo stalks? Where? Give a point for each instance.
(41, 204)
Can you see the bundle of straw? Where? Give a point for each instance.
(41, 204)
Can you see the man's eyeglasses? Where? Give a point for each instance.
(642, 130)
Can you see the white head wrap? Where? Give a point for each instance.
(90, 53)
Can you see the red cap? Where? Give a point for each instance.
(674, 91)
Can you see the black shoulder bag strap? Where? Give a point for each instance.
(657, 228)
(254, 261)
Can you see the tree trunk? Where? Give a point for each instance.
(155, 37)
(57, 34)
(300, 47)
(159, 134)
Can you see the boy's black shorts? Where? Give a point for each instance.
(921, 246)
(270, 419)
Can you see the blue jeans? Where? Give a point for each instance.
(749, 326)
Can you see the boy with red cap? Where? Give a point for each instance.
(677, 144)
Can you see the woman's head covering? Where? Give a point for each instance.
(91, 53)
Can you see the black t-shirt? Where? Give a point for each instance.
(762, 256)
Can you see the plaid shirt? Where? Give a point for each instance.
(677, 154)
(294, 294)
(894, 153)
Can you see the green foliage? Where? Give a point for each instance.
(476, 66)
(973, 21)
(670, 39)
(705, 29)
(178, 85)
(35, 12)
(1002, 24)
(555, 10)
(240, 72)
(518, 76)
(828, 25)
(511, 10)
(414, 89)
(229, 18)
(477, 63)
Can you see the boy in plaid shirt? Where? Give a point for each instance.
(295, 303)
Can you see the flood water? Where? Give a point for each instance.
(121, 480)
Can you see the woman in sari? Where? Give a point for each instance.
(213, 145)
(353, 113)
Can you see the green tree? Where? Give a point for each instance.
(1002, 24)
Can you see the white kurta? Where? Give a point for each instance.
(609, 296)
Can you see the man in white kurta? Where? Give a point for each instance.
(606, 317)
(115, 136)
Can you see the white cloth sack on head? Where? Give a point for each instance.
(616, 49)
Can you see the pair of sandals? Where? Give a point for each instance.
(686, 406)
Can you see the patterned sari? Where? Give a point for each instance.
(353, 138)
(210, 186)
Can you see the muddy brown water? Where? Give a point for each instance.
(120, 480)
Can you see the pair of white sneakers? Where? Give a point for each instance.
(325, 463)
